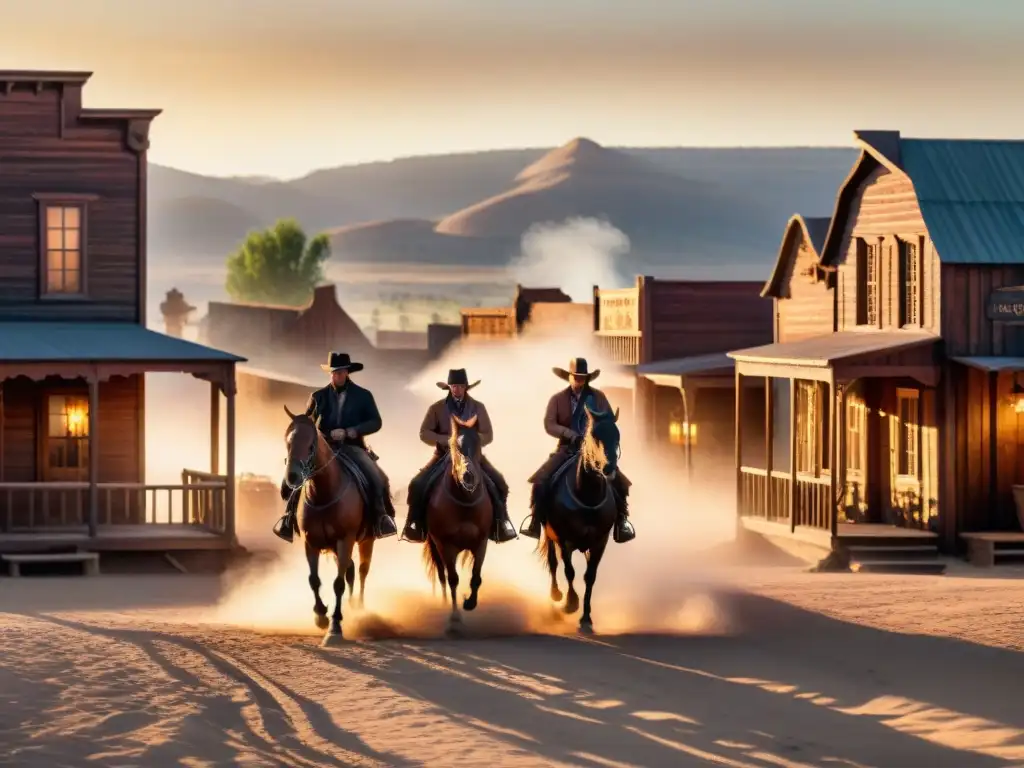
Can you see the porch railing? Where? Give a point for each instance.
(200, 500)
(768, 497)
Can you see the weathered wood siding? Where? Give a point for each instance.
(886, 207)
(24, 421)
(966, 329)
(39, 157)
(690, 318)
(806, 308)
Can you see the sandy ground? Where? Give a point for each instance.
(786, 669)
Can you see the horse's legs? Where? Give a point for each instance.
(572, 601)
(350, 579)
(476, 580)
(313, 558)
(556, 593)
(450, 555)
(365, 558)
(593, 563)
(344, 549)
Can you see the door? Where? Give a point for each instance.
(856, 508)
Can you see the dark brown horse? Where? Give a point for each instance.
(331, 516)
(459, 517)
(581, 511)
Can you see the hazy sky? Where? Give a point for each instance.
(280, 87)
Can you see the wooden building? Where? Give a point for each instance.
(74, 349)
(508, 322)
(895, 394)
(675, 335)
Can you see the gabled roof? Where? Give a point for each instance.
(971, 193)
(813, 230)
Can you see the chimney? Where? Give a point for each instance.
(175, 311)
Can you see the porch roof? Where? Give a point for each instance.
(67, 342)
(813, 357)
(992, 364)
(667, 373)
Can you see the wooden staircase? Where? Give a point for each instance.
(987, 549)
(894, 551)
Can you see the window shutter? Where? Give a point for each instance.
(862, 282)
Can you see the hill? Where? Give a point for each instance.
(698, 205)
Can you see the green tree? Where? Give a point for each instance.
(277, 265)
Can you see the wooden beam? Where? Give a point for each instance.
(94, 455)
(839, 470)
(993, 449)
(833, 456)
(769, 443)
(738, 439)
(784, 371)
(948, 509)
(214, 428)
(229, 523)
(792, 456)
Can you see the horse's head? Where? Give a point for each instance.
(301, 439)
(465, 449)
(601, 446)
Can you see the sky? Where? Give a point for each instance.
(281, 87)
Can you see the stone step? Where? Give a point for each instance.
(89, 560)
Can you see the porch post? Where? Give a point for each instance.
(769, 443)
(792, 455)
(833, 453)
(684, 393)
(839, 471)
(995, 514)
(229, 522)
(94, 454)
(738, 437)
(214, 428)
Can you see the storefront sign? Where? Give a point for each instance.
(1006, 305)
(619, 312)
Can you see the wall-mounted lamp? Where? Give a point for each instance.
(678, 431)
(1017, 395)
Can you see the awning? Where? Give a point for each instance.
(992, 364)
(668, 373)
(813, 357)
(47, 342)
(271, 375)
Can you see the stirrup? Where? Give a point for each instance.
(412, 532)
(385, 527)
(527, 529)
(284, 529)
(623, 531)
(504, 531)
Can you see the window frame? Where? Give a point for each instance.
(917, 243)
(914, 473)
(46, 201)
(869, 292)
(62, 474)
(813, 403)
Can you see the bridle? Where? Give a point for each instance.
(308, 470)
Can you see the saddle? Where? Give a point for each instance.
(437, 471)
(351, 466)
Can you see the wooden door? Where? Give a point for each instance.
(856, 507)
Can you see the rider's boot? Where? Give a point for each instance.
(414, 530)
(533, 526)
(386, 525)
(503, 528)
(623, 530)
(285, 527)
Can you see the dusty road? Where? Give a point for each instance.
(144, 683)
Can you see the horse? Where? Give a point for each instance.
(460, 515)
(331, 517)
(581, 511)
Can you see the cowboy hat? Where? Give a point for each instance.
(457, 377)
(340, 361)
(577, 367)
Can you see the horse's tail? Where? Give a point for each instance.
(433, 562)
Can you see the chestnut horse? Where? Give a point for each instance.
(581, 510)
(331, 516)
(460, 516)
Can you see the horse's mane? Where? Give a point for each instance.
(591, 455)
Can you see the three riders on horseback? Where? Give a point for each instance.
(346, 413)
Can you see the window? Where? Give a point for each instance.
(812, 427)
(856, 435)
(909, 433)
(63, 236)
(868, 258)
(67, 435)
(910, 280)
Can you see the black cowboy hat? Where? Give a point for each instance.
(577, 367)
(340, 361)
(457, 377)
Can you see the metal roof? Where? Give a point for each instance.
(992, 364)
(822, 351)
(971, 195)
(686, 366)
(44, 342)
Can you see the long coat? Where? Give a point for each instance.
(359, 412)
(558, 418)
(437, 423)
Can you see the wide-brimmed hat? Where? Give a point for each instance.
(340, 361)
(577, 367)
(457, 377)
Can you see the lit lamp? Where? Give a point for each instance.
(78, 421)
(1017, 395)
(678, 431)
